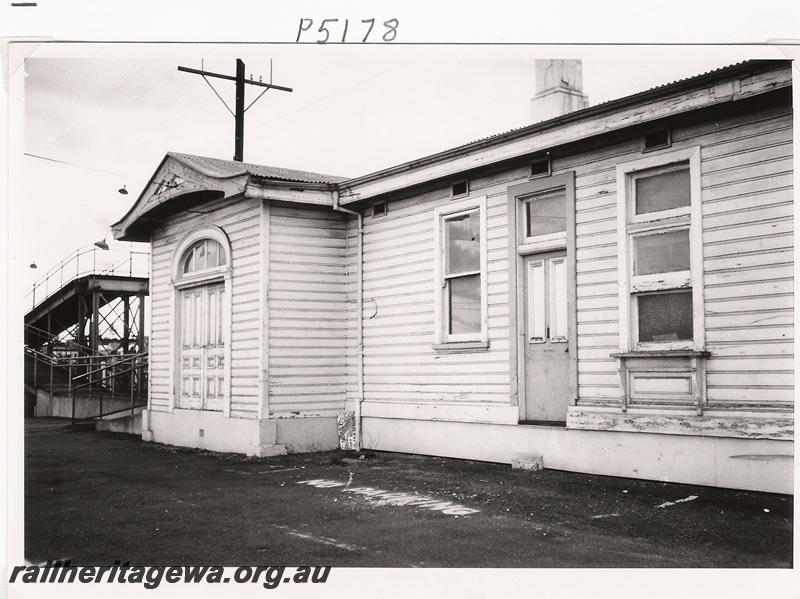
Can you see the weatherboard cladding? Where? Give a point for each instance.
(746, 174)
(240, 219)
(746, 178)
(307, 316)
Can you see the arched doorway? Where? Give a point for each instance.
(201, 275)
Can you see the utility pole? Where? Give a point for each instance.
(240, 109)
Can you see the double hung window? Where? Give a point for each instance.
(660, 252)
(461, 286)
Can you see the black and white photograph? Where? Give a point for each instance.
(284, 314)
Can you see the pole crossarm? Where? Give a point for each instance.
(240, 109)
(233, 78)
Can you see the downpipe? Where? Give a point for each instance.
(359, 312)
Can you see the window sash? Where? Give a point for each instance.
(546, 196)
(442, 214)
(524, 217)
(643, 173)
(660, 345)
(448, 311)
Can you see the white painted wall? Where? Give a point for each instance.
(307, 314)
(239, 218)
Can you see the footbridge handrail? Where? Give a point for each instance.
(84, 261)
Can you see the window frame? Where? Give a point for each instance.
(203, 271)
(547, 239)
(201, 277)
(442, 338)
(631, 225)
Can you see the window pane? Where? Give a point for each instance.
(665, 316)
(547, 213)
(203, 255)
(465, 305)
(189, 264)
(462, 243)
(661, 252)
(200, 256)
(663, 191)
(212, 248)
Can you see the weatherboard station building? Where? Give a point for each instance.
(610, 289)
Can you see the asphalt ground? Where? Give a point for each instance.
(94, 497)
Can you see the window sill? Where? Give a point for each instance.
(662, 353)
(458, 347)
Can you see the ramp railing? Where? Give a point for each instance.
(118, 378)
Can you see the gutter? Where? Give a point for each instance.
(360, 312)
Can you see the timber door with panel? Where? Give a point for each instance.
(546, 339)
(202, 348)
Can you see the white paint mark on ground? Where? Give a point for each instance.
(281, 470)
(381, 497)
(322, 540)
(614, 515)
(677, 501)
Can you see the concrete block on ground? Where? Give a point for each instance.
(527, 462)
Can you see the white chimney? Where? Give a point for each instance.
(559, 89)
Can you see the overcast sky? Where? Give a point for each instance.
(113, 111)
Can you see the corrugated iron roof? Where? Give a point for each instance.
(610, 101)
(577, 115)
(225, 169)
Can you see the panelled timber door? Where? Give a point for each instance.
(202, 357)
(546, 338)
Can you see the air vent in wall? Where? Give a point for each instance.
(540, 167)
(654, 140)
(379, 209)
(459, 189)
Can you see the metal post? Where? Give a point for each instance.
(69, 375)
(140, 332)
(73, 406)
(79, 337)
(101, 394)
(130, 264)
(126, 323)
(50, 352)
(133, 373)
(95, 322)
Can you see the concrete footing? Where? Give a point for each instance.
(129, 424)
(215, 432)
(737, 463)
